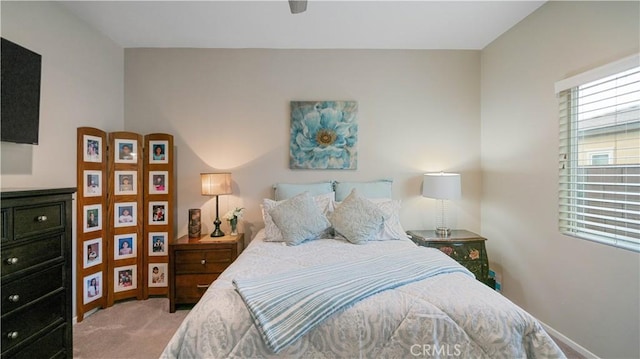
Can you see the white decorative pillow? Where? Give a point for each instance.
(357, 219)
(392, 228)
(272, 234)
(299, 219)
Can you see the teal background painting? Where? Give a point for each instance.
(324, 135)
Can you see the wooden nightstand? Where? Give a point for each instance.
(467, 248)
(196, 262)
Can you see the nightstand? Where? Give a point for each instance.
(194, 263)
(467, 248)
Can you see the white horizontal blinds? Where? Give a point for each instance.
(600, 160)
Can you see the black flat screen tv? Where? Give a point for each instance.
(20, 93)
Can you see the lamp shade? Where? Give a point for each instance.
(441, 185)
(214, 184)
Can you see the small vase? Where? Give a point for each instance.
(234, 226)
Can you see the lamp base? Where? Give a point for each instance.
(443, 231)
(217, 233)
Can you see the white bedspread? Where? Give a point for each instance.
(448, 315)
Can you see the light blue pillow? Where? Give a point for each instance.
(372, 189)
(287, 190)
(357, 219)
(299, 219)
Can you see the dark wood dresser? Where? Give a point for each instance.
(36, 273)
(196, 262)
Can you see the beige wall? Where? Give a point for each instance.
(82, 84)
(419, 111)
(587, 291)
(229, 111)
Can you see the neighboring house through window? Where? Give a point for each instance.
(599, 194)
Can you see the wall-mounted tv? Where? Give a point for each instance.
(20, 93)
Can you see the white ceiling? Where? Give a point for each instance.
(325, 25)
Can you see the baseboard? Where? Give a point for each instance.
(75, 319)
(570, 343)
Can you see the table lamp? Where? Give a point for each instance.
(443, 187)
(216, 184)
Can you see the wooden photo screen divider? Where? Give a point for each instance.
(159, 203)
(91, 221)
(122, 249)
(125, 216)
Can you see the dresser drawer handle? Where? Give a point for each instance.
(14, 298)
(202, 286)
(12, 335)
(12, 260)
(42, 218)
(203, 261)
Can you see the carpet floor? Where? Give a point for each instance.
(140, 329)
(135, 329)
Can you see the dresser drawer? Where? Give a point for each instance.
(31, 319)
(190, 287)
(202, 261)
(31, 253)
(20, 292)
(30, 221)
(6, 226)
(52, 345)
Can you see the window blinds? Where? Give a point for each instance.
(599, 182)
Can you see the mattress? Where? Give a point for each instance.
(445, 315)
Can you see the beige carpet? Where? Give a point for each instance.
(135, 329)
(141, 329)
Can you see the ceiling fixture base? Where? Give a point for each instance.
(297, 6)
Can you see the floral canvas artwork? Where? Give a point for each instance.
(324, 135)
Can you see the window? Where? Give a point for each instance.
(599, 184)
(600, 158)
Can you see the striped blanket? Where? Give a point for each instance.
(287, 305)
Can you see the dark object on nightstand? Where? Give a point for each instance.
(36, 273)
(196, 262)
(467, 248)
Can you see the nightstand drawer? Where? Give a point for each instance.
(29, 221)
(461, 251)
(190, 287)
(196, 263)
(203, 261)
(16, 294)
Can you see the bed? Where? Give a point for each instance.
(441, 312)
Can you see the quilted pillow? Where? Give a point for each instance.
(272, 233)
(299, 219)
(357, 219)
(392, 229)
